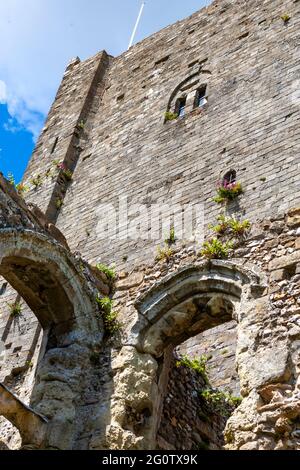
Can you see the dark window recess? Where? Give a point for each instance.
(3, 288)
(230, 177)
(163, 60)
(200, 99)
(54, 145)
(180, 107)
(192, 64)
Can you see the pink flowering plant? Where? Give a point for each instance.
(228, 191)
(61, 166)
(65, 171)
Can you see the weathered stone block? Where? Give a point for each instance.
(284, 261)
(133, 280)
(278, 275)
(294, 218)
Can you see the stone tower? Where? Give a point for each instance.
(133, 148)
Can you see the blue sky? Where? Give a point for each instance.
(37, 40)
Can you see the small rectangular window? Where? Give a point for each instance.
(200, 99)
(180, 107)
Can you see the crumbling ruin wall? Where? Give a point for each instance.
(58, 150)
(160, 307)
(219, 346)
(267, 315)
(188, 421)
(61, 290)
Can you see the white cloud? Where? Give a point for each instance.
(2, 92)
(22, 117)
(39, 37)
(12, 126)
(37, 40)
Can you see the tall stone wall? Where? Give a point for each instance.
(248, 57)
(59, 146)
(188, 422)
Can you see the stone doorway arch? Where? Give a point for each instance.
(61, 291)
(49, 279)
(54, 285)
(180, 306)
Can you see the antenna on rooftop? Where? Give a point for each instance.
(136, 25)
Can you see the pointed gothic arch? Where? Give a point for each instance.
(180, 306)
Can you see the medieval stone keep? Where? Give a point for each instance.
(178, 162)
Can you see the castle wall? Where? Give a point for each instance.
(187, 421)
(249, 59)
(59, 142)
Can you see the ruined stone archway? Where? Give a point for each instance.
(49, 279)
(60, 289)
(182, 305)
(171, 308)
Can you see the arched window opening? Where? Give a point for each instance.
(180, 106)
(20, 338)
(200, 97)
(189, 95)
(230, 177)
(201, 386)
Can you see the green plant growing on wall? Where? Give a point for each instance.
(215, 249)
(230, 227)
(36, 181)
(197, 364)
(22, 188)
(81, 125)
(227, 192)
(109, 271)
(59, 203)
(171, 239)
(239, 227)
(169, 116)
(220, 401)
(68, 174)
(222, 227)
(110, 317)
(285, 18)
(15, 309)
(164, 254)
(11, 179)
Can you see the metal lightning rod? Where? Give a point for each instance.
(136, 25)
